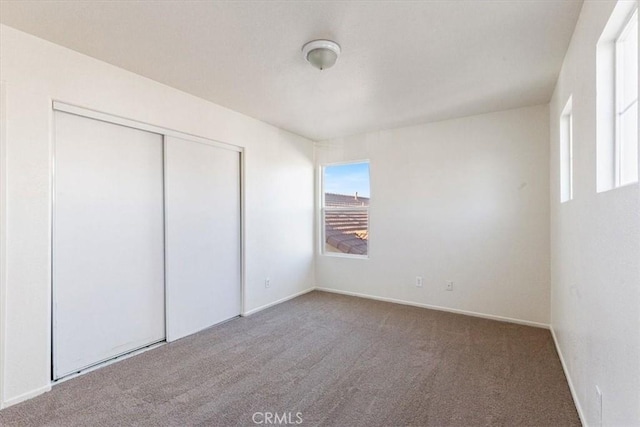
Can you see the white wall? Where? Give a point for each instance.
(595, 247)
(278, 184)
(465, 200)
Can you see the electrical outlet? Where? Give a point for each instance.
(598, 406)
(450, 286)
(419, 281)
(267, 282)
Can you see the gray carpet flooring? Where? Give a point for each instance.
(328, 360)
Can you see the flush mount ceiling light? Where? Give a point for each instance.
(321, 54)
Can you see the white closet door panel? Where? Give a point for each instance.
(108, 249)
(203, 236)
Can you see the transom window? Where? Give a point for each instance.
(627, 103)
(617, 98)
(566, 152)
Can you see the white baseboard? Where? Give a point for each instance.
(574, 395)
(271, 304)
(26, 396)
(437, 307)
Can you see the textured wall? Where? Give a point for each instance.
(595, 247)
(278, 187)
(465, 200)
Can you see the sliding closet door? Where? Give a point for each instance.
(108, 242)
(203, 236)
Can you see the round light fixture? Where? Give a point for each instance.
(321, 54)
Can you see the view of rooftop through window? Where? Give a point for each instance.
(346, 193)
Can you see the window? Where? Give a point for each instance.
(345, 209)
(617, 99)
(566, 152)
(627, 103)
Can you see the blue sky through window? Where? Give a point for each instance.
(347, 179)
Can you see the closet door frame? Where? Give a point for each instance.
(165, 132)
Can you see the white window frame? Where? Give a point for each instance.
(324, 209)
(620, 108)
(566, 152)
(610, 158)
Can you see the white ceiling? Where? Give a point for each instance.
(402, 63)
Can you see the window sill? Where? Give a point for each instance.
(339, 255)
(606, 190)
